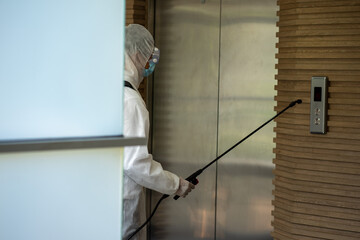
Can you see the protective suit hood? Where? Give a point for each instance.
(139, 45)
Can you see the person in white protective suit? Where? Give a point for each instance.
(140, 170)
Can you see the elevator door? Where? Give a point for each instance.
(214, 85)
(185, 102)
(246, 101)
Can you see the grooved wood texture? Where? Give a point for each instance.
(317, 177)
(137, 12)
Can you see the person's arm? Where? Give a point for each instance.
(138, 163)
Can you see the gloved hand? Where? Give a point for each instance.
(184, 188)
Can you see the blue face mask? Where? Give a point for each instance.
(148, 71)
(152, 62)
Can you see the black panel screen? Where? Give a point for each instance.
(317, 94)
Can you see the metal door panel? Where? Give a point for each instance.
(185, 100)
(247, 69)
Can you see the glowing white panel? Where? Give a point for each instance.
(61, 195)
(61, 68)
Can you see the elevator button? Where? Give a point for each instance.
(318, 104)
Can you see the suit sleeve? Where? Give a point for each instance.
(139, 165)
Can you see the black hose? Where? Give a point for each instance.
(192, 177)
(151, 215)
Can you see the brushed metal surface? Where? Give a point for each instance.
(69, 143)
(185, 100)
(215, 84)
(247, 70)
(318, 105)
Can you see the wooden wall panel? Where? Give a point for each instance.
(317, 177)
(137, 12)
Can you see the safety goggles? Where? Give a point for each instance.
(154, 59)
(150, 65)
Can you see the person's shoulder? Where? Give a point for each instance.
(132, 96)
(133, 101)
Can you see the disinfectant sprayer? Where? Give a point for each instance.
(193, 177)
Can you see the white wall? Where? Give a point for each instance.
(61, 195)
(61, 68)
(61, 76)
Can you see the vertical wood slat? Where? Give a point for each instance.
(137, 12)
(317, 177)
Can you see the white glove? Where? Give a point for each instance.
(184, 188)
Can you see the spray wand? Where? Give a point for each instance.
(193, 177)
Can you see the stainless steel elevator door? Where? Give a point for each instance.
(214, 85)
(247, 70)
(185, 99)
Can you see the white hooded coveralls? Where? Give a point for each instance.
(140, 170)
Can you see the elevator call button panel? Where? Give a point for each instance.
(318, 105)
